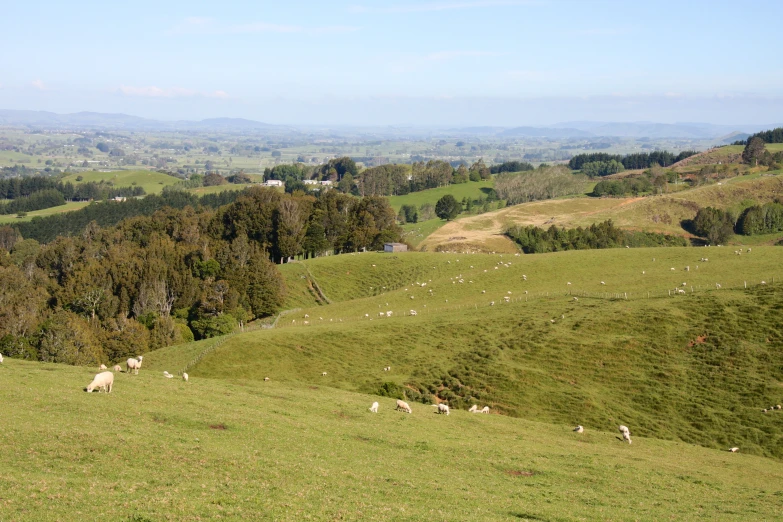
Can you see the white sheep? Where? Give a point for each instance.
(374, 407)
(413, 312)
(473, 409)
(492, 303)
(323, 374)
(402, 405)
(734, 450)
(103, 367)
(626, 433)
(603, 283)
(134, 364)
(576, 299)
(1, 358)
(389, 313)
(185, 377)
(442, 408)
(103, 381)
(485, 409)
(579, 429)
(381, 314)
(266, 379)
(117, 368)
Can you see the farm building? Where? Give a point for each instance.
(395, 247)
(273, 183)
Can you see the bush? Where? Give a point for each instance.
(714, 224)
(213, 326)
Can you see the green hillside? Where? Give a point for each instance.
(697, 367)
(162, 449)
(151, 181)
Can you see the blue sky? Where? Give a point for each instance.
(446, 62)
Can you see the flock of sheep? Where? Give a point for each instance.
(442, 409)
(104, 381)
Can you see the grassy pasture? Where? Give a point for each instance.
(662, 213)
(696, 367)
(160, 449)
(68, 207)
(151, 181)
(470, 190)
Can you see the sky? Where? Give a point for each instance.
(445, 62)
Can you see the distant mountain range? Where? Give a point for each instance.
(99, 120)
(574, 129)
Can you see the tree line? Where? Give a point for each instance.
(537, 240)
(542, 183)
(718, 225)
(767, 136)
(640, 160)
(171, 275)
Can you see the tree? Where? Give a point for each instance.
(479, 168)
(447, 207)
(102, 147)
(753, 151)
(213, 179)
(714, 224)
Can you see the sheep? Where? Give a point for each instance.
(1, 358)
(413, 312)
(473, 409)
(626, 433)
(717, 285)
(579, 429)
(568, 283)
(576, 299)
(402, 405)
(103, 367)
(507, 299)
(492, 303)
(483, 291)
(133, 364)
(442, 408)
(307, 316)
(673, 269)
(266, 379)
(323, 374)
(603, 283)
(687, 268)
(185, 377)
(389, 313)
(381, 314)
(763, 282)
(117, 368)
(485, 409)
(374, 407)
(734, 450)
(102, 381)
(777, 407)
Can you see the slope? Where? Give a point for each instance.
(160, 449)
(697, 367)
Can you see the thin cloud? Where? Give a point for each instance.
(172, 92)
(439, 6)
(204, 25)
(453, 55)
(407, 64)
(38, 84)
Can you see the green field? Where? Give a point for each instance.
(462, 190)
(72, 205)
(151, 181)
(688, 374)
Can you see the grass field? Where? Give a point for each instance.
(151, 181)
(662, 213)
(688, 374)
(462, 190)
(68, 207)
(159, 449)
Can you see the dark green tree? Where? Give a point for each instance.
(447, 207)
(753, 151)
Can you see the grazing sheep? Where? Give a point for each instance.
(626, 433)
(442, 408)
(576, 299)
(402, 405)
(1, 358)
(579, 429)
(323, 374)
(266, 379)
(568, 283)
(185, 377)
(413, 312)
(473, 409)
(374, 407)
(717, 285)
(307, 316)
(603, 283)
(389, 313)
(485, 409)
(103, 367)
(133, 364)
(763, 282)
(764, 410)
(492, 303)
(103, 381)
(672, 269)
(777, 407)
(117, 368)
(734, 450)
(483, 291)
(381, 314)
(748, 251)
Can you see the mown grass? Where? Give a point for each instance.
(160, 449)
(151, 181)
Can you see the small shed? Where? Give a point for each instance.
(395, 247)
